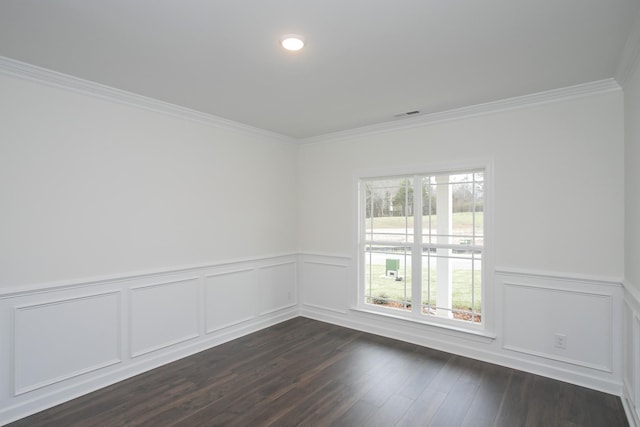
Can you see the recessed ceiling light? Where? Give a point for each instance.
(292, 42)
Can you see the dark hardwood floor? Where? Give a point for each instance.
(305, 372)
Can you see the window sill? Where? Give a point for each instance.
(477, 334)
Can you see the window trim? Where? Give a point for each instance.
(487, 327)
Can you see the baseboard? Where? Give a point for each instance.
(632, 415)
(97, 382)
(631, 353)
(473, 352)
(130, 326)
(273, 289)
(513, 335)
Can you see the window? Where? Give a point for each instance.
(421, 246)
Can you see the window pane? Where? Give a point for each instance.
(429, 206)
(437, 218)
(467, 274)
(452, 284)
(454, 210)
(388, 276)
(389, 210)
(479, 209)
(452, 216)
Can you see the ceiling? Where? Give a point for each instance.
(364, 62)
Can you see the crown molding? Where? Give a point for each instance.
(630, 59)
(534, 99)
(25, 71)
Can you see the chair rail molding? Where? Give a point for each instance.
(69, 338)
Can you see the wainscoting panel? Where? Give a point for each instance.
(628, 353)
(226, 300)
(529, 308)
(636, 365)
(536, 318)
(325, 284)
(62, 339)
(631, 353)
(277, 287)
(163, 314)
(98, 332)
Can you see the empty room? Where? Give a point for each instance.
(319, 213)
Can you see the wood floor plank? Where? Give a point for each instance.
(485, 406)
(453, 409)
(422, 410)
(305, 372)
(391, 412)
(513, 408)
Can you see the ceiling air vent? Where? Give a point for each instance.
(407, 114)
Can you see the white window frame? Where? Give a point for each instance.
(486, 328)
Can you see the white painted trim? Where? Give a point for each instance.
(64, 300)
(164, 283)
(229, 324)
(206, 294)
(530, 100)
(190, 341)
(330, 264)
(321, 307)
(279, 264)
(228, 273)
(137, 366)
(633, 293)
(133, 289)
(17, 291)
(605, 368)
(631, 379)
(636, 360)
(17, 390)
(432, 168)
(632, 416)
(630, 58)
(488, 326)
(566, 277)
(635, 350)
(167, 344)
(553, 289)
(345, 258)
(448, 328)
(471, 351)
(595, 376)
(549, 356)
(25, 71)
(426, 335)
(274, 310)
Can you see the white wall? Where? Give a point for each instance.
(632, 239)
(632, 179)
(130, 237)
(557, 232)
(93, 187)
(558, 174)
(95, 191)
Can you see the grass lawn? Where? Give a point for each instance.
(460, 220)
(385, 287)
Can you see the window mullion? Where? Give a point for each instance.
(416, 250)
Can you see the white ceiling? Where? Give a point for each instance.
(365, 60)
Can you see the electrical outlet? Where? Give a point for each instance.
(560, 341)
